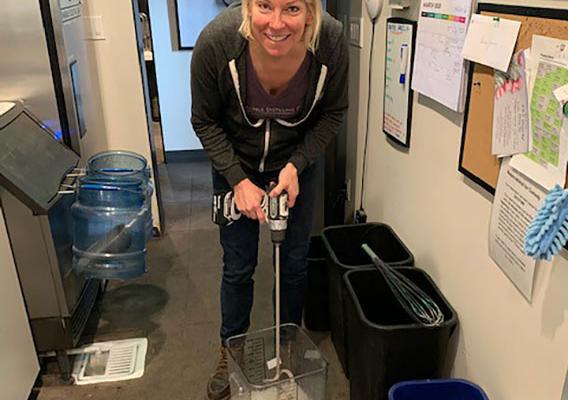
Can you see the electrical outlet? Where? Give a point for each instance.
(356, 31)
(360, 216)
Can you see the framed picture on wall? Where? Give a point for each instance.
(399, 55)
(192, 16)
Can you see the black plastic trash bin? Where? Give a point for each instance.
(386, 345)
(316, 309)
(344, 253)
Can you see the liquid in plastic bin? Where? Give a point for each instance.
(109, 235)
(439, 389)
(118, 165)
(250, 354)
(344, 253)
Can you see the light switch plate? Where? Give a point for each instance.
(94, 29)
(356, 31)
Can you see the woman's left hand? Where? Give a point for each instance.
(288, 181)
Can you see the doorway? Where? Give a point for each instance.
(145, 55)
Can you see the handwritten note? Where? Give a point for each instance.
(511, 121)
(491, 40)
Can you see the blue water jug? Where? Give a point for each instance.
(110, 228)
(117, 165)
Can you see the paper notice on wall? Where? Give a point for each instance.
(439, 67)
(490, 41)
(516, 202)
(547, 48)
(511, 122)
(546, 161)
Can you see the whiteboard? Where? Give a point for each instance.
(397, 111)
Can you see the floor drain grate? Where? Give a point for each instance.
(110, 361)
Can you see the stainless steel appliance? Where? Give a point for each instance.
(42, 47)
(33, 172)
(44, 65)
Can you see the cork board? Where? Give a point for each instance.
(476, 160)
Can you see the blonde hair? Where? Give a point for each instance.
(311, 35)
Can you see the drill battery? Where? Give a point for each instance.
(224, 211)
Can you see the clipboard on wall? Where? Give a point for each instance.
(399, 59)
(476, 161)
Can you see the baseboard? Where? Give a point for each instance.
(186, 155)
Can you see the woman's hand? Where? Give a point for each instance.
(288, 181)
(248, 198)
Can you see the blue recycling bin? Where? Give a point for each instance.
(439, 389)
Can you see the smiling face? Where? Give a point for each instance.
(278, 26)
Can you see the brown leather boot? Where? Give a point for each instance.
(218, 385)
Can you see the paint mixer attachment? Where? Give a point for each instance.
(276, 212)
(278, 363)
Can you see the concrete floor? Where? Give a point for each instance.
(176, 304)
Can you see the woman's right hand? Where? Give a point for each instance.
(248, 198)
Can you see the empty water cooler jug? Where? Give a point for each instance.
(117, 165)
(110, 228)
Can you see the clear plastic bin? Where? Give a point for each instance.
(250, 354)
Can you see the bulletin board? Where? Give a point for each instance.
(476, 160)
(399, 59)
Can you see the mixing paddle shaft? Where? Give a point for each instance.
(277, 306)
(277, 217)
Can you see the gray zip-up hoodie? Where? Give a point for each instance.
(218, 88)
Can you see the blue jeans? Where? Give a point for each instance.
(240, 256)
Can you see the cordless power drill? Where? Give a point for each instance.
(225, 212)
(276, 211)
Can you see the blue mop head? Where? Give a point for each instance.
(548, 231)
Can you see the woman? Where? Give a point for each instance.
(269, 91)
